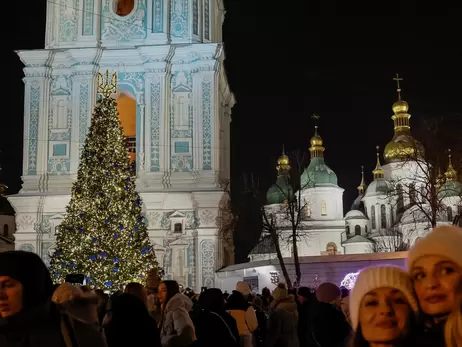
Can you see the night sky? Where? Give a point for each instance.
(287, 60)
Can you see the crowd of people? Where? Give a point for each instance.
(388, 306)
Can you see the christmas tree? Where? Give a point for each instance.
(103, 235)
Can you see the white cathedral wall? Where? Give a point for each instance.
(329, 197)
(190, 257)
(358, 248)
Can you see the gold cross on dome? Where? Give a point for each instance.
(398, 87)
(106, 86)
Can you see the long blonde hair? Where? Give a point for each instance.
(453, 327)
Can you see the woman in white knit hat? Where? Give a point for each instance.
(435, 266)
(382, 307)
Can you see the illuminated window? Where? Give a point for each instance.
(323, 208)
(124, 7)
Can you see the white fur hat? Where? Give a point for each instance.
(372, 278)
(445, 240)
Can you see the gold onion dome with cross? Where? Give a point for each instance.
(402, 146)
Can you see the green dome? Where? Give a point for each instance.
(318, 174)
(378, 187)
(279, 192)
(450, 189)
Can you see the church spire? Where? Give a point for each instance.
(400, 109)
(378, 171)
(451, 173)
(362, 186)
(316, 149)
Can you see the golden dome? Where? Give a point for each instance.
(316, 140)
(403, 147)
(283, 160)
(451, 173)
(400, 106)
(283, 164)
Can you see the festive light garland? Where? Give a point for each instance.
(349, 280)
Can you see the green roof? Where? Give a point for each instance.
(279, 192)
(450, 189)
(318, 173)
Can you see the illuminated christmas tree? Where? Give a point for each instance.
(103, 235)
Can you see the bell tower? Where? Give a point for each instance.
(174, 104)
(130, 23)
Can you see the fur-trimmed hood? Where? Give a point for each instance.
(287, 304)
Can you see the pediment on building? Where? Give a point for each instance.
(177, 215)
(59, 216)
(182, 89)
(178, 242)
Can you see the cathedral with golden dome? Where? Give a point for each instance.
(388, 215)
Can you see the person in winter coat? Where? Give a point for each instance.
(243, 312)
(435, 266)
(28, 317)
(131, 324)
(382, 308)
(283, 319)
(214, 326)
(176, 327)
(262, 320)
(325, 314)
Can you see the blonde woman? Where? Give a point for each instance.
(435, 266)
(382, 307)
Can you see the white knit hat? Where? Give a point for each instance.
(445, 240)
(372, 278)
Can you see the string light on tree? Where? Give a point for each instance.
(103, 234)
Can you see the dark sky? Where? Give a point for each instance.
(286, 60)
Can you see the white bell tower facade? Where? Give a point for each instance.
(175, 107)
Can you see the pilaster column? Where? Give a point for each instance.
(157, 129)
(84, 91)
(36, 100)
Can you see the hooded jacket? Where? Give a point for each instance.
(177, 329)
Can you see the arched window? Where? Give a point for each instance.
(5, 230)
(357, 230)
(423, 194)
(400, 201)
(450, 215)
(365, 229)
(374, 226)
(347, 229)
(412, 194)
(383, 217)
(323, 208)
